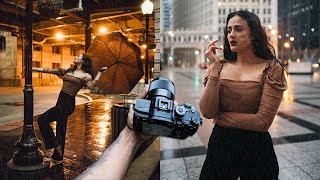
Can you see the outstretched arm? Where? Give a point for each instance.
(91, 84)
(59, 71)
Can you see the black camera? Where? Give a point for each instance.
(157, 114)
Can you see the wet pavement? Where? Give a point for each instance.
(89, 132)
(45, 97)
(295, 130)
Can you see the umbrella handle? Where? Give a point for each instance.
(103, 69)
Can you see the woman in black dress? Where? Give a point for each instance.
(242, 94)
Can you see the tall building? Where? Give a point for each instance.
(166, 15)
(299, 25)
(193, 19)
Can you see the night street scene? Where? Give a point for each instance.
(292, 28)
(44, 64)
(71, 68)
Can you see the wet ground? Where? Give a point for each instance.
(295, 130)
(89, 132)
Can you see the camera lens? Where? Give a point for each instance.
(161, 87)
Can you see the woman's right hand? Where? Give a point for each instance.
(211, 53)
(103, 69)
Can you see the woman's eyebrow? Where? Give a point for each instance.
(236, 26)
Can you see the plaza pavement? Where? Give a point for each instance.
(295, 130)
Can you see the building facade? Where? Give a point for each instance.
(44, 55)
(299, 23)
(207, 19)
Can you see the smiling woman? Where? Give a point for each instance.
(242, 94)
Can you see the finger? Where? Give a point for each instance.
(213, 42)
(144, 92)
(175, 103)
(214, 48)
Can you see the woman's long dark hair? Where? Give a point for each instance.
(86, 65)
(261, 46)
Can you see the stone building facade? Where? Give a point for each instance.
(44, 56)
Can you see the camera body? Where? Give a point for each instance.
(158, 115)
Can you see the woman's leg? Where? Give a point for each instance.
(68, 103)
(221, 161)
(259, 160)
(61, 134)
(45, 129)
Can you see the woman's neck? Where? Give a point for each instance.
(246, 57)
(78, 67)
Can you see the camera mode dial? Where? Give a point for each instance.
(196, 120)
(180, 110)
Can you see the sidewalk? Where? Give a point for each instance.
(88, 132)
(45, 97)
(295, 131)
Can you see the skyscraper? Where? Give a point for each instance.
(193, 19)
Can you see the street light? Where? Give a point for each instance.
(27, 161)
(286, 45)
(147, 8)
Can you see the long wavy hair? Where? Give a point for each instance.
(260, 44)
(86, 66)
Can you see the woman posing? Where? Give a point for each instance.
(73, 80)
(242, 94)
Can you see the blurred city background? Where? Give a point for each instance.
(292, 27)
(50, 34)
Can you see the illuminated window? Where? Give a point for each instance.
(35, 64)
(74, 51)
(56, 49)
(37, 48)
(55, 65)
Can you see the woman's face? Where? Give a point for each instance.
(239, 34)
(78, 59)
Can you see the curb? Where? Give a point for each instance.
(84, 96)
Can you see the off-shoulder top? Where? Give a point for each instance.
(71, 84)
(245, 101)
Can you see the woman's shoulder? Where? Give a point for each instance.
(275, 74)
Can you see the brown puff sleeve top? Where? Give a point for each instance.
(71, 84)
(248, 105)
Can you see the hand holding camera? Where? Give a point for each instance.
(157, 114)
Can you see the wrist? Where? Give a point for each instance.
(133, 135)
(214, 69)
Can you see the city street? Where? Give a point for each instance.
(295, 130)
(89, 132)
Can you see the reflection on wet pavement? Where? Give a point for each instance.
(88, 134)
